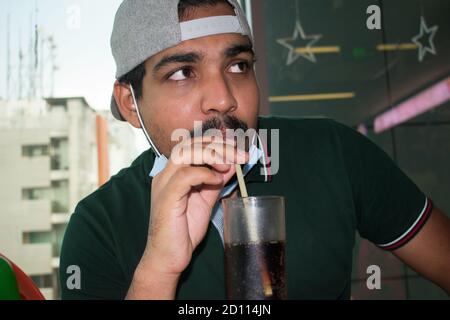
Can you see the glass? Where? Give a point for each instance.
(34, 150)
(255, 237)
(59, 154)
(60, 199)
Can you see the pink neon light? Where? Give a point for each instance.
(426, 100)
(362, 129)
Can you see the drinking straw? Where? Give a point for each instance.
(241, 181)
(253, 233)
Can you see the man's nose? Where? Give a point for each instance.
(218, 95)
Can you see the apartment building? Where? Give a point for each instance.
(48, 162)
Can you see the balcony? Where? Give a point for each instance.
(60, 218)
(56, 175)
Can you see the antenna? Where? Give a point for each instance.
(36, 50)
(30, 61)
(42, 65)
(8, 57)
(54, 67)
(33, 54)
(40, 54)
(19, 94)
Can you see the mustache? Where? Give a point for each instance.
(219, 123)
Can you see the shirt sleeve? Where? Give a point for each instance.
(88, 246)
(390, 208)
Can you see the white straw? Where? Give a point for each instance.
(241, 181)
(253, 233)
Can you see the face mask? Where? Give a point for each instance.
(161, 161)
(254, 155)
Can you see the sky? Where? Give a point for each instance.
(81, 29)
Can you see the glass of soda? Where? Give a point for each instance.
(255, 236)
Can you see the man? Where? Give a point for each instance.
(154, 231)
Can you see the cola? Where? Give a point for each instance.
(256, 271)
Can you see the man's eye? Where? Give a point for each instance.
(181, 74)
(239, 67)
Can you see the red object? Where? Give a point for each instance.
(102, 149)
(27, 288)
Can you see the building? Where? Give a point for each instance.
(48, 162)
(123, 143)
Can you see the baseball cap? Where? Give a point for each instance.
(143, 28)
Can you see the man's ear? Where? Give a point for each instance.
(124, 101)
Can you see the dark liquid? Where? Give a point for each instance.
(245, 275)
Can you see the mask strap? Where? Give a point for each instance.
(152, 145)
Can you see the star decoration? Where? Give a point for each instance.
(424, 40)
(293, 43)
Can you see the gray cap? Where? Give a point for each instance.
(142, 28)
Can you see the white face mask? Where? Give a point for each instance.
(254, 154)
(161, 161)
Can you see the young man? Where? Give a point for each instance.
(154, 231)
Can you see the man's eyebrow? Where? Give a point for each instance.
(236, 49)
(188, 57)
(191, 57)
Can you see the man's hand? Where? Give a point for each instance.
(182, 199)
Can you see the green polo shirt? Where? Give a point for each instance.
(334, 180)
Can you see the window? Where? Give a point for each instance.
(59, 153)
(43, 281)
(35, 150)
(60, 196)
(36, 193)
(36, 237)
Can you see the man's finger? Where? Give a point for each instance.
(186, 178)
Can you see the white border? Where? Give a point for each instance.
(407, 231)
